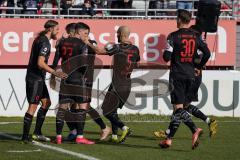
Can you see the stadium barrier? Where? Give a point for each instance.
(149, 35)
(218, 96)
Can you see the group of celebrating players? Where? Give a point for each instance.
(186, 51)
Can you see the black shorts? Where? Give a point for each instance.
(74, 93)
(181, 90)
(36, 90)
(63, 99)
(195, 87)
(116, 97)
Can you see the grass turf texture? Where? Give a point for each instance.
(141, 145)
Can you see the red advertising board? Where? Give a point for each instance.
(16, 37)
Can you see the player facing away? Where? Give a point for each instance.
(71, 91)
(88, 72)
(182, 46)
(88, 76)
(125, 58)
(212, 123)
(36, 89)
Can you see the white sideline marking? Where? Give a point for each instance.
(25, 151)
(2, 123)
(79, 155)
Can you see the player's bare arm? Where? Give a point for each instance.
(44, 66)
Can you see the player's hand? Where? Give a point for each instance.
(60, 74)
(86, 40)
(109, 46)
(65, 35)
(53, 82)
(197, 72)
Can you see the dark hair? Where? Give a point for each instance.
(47, 26)
(184, 16)
(50, 23)
(70, 28)
(81, 25)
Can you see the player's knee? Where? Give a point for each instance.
(66, 106)
(178, 106)
(84, 106)
(46, 104)
(32, 109)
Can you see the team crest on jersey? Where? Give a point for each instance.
(44, 50)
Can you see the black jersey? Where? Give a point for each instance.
(89, 70)
(57, 53)
(182, 49)
(40, 47)
(124, 61)
(71, 51)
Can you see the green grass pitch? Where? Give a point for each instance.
(141, 145)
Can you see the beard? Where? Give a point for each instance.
(53, 36)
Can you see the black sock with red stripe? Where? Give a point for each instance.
(40, 119)
(81, 121)
(60, 117)
(26, 125)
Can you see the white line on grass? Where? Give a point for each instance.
(2, 123)
(75, 154)
(24, 151)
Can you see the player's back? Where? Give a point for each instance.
(125, 61)
(185, 44)
(70, 47)
(71, 51)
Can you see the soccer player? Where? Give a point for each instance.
(70, 49)
(35, 81)
(190, 108)
(75, 57)
(83, 35)
(125, 58)
(89, 72)
(181, 50)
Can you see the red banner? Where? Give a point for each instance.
(16, 37)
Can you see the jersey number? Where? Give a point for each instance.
(189, 46)
(67, 51)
